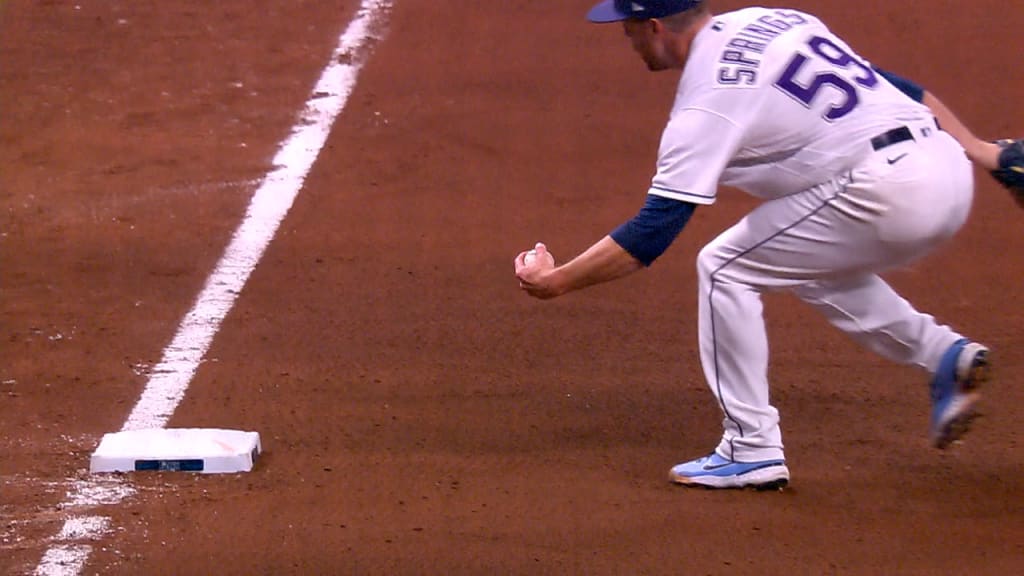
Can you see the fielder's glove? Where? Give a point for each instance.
(1011, 168)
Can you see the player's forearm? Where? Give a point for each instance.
(602, 262)
(985, 154)
(982, 153)
(632, 246)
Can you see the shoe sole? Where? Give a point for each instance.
(970, 376)
(768, 478)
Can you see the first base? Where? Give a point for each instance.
(205, 450)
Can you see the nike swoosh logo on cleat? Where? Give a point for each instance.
(897, 159)
(716, 466)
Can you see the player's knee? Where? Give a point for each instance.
(709, 259)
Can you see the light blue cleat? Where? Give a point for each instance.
(954, 391)
(714, 471)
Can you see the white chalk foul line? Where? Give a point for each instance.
(270, 203)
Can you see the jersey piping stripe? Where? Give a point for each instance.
(711, 300)
(684, 196)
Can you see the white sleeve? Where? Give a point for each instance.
(695, 147)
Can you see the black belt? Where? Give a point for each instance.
(894, 136)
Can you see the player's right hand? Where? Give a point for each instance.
(532, 269)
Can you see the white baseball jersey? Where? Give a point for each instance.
(772, 103)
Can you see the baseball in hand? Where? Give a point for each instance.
(531, 257)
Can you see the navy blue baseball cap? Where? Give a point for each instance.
(616, 10)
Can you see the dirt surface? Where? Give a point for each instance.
(419, 414)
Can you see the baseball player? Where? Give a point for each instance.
(855, 179)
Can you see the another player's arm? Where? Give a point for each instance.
(985, 154)
(631, 247)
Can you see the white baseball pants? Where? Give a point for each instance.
(827, 245)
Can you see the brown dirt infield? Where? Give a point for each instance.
(420, 414)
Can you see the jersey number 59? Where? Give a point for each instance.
(806, 87)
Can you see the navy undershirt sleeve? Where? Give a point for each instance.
(648, 234)
(908, 87)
